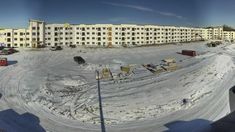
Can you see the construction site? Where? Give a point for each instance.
(142, 88)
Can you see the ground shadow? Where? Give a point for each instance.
(197, 125)
(226, 124)
(179, 53)
(12, 62)
(10, 121)
(232, 99)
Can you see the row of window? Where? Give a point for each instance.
(21, 33)
(119, 43)
(121, 38)
(116, 33)
(118, 28)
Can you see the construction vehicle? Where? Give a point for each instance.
(3, 62)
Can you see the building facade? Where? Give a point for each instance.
(107, 35)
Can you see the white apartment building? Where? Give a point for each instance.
(106, 35)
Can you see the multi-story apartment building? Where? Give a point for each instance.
(107, 35)
(31, 37)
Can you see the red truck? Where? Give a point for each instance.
(3, 62)
(189, 53)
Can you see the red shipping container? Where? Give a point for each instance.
(3, 62)
(189, 53)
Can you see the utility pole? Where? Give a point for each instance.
(100, 104)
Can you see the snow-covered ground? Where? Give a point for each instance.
(62, 96)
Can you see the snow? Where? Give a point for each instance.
(63, 95)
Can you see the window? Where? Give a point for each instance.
(8, 40)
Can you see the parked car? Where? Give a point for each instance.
(41, 46)
(54, 48)
(72, 46)
(79, 60)
(4, 52)
(2, 47)
(11, 50)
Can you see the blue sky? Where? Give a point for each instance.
(16, 13)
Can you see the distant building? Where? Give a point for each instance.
(107, 35)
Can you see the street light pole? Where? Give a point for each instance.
(100, 104)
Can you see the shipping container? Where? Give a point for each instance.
(189, 53)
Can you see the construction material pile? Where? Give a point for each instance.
(166, 65)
